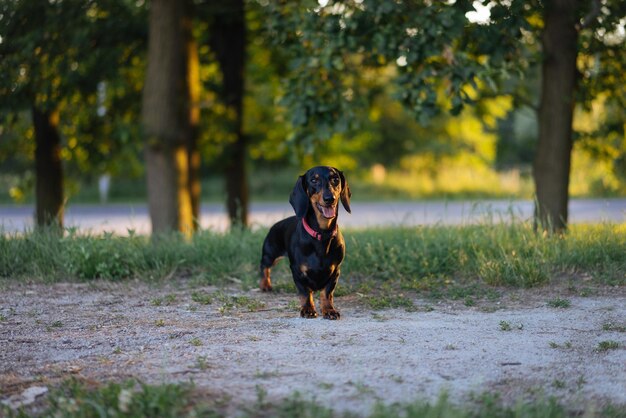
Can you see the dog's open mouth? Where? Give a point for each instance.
(327, 212)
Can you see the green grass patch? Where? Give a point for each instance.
(135, 399)
(608, 345)
(559, 303)
(448, 261)
(611, 326)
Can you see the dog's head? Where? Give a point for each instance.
(321, 188)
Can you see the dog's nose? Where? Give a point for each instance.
(329, 200)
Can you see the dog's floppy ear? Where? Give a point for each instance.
(346, 194)
(299, 199)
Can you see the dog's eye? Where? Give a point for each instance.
(334, 181)
(314, 180)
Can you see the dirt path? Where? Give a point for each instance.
(112, 331)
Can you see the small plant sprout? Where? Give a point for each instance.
(202, 363)
(507, 326)
(608, 345)
(559, 303)
(201, 298)
(610, 326)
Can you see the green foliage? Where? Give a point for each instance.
(559, 303)
(436, 54)
(441, 61)
(127, 399)
(80, 58)
(136, 399)
(608, 345)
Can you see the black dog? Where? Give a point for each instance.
(311, 239)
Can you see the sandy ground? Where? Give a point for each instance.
(108, 331)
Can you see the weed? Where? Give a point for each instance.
(53, 325)
(378, 317)
(362, 388)
(293, 305)
(159, 322)
(238, 302)
(559, 303)
(558, 384)
(202, 363)
(389, 301)
(156, 302)
(608, 345)
(610, 326)
(568, 345)
(117, 350)
(2, 318)
(266, 374)
(505, 326)
(201, 298)
(196, 342)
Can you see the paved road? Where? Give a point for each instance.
(120, 218)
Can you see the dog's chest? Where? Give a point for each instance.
(318, 266)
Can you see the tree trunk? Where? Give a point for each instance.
(554, 148)
(48, 169)
(193, 90)
(164, 117)
(228, 41)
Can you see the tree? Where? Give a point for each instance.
(165, 119)
(556, 111)
(228, 41)
(445, 62)
(51, 54)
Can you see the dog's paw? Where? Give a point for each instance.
(308, 312)
(265, 285)
(331, 314)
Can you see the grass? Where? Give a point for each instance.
(444, 261)
(131, 398)
(559, 303)
(610, 326)
(608, 345)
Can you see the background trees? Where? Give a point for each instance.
(406, 87)
(444, 62)
(54, 56)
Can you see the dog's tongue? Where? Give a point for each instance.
(328, 212)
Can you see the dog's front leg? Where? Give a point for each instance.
(326, 299)
(307, 306)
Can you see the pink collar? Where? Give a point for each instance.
(314, 233)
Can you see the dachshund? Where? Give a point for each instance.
(311, 239)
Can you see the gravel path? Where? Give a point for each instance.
(160, 334)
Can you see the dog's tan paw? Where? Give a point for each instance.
(331, 314)
(308, 312)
